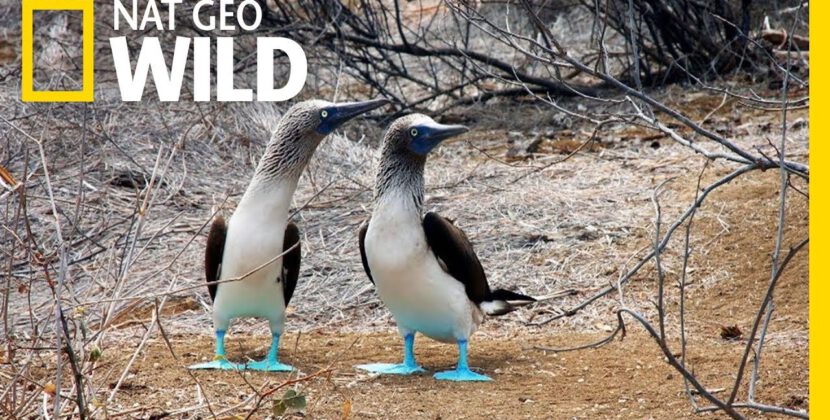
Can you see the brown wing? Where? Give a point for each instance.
(290, 261)
(452, 247)
(213, 254)
(362, 238)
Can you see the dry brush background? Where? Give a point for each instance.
(667, 191)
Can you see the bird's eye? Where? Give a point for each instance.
(324, 113)
(413, 132)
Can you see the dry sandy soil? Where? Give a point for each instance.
(627, 378)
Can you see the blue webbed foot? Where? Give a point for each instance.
(461, 375)
(219, 363)
(462, 371)
(391, 368)
(268, 366)
(408, 367)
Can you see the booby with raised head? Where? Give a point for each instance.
(249, 247)
(424, 267)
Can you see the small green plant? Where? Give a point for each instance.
(95, 354)
(291, 401)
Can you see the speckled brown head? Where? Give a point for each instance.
(300, 131)
(406, 144)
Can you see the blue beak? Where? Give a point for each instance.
(431, 134)
(342, 112)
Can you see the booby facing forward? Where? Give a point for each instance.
(249, 246)
(424, 268)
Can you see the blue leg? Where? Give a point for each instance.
(408, 367)
(219, 360)
(462, 372)
(270, 364)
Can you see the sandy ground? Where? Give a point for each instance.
(627, 378)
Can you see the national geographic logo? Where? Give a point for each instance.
(151, 57)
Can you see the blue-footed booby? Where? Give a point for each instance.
(424, 267)
(249, 247)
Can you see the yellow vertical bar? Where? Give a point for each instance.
(27, 68)
(89, 51)
(819, 255)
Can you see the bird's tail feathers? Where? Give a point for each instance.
(501, 301)
(557, 295)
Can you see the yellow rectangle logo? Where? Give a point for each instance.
(86, 94)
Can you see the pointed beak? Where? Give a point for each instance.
(345, 111)
(440, 132)
(432, 134)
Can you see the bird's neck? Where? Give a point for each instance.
(400, 178)
(269, 199)
(286, 155)
(279, 170)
